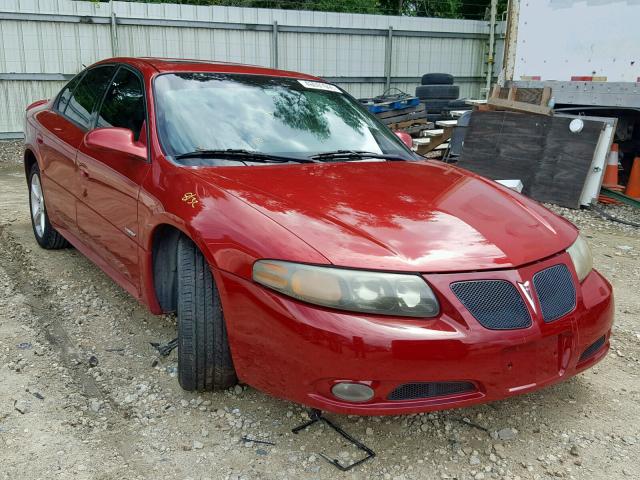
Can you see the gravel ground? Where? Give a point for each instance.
(81, 398)
(11, 152)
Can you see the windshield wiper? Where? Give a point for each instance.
(242, 155)
(355, 155)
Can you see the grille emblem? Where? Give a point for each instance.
(525, 288)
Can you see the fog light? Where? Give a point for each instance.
(352, 392)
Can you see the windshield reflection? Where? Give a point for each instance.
(205, 111)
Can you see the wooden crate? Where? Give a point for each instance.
(526, 100)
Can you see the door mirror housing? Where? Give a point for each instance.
(117, 140)
(405, 137)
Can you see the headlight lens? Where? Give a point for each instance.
(580, 254)
(353, 290)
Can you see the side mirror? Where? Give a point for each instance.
(405, 137)
(117, 140)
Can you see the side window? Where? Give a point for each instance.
(123, 105)
(65, 95)
(89, 90)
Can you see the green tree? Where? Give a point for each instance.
(470, 9)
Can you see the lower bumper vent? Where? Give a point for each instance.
(592, 349)
(414, 391)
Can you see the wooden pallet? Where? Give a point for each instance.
(416, 130)
(400, 111)
(436, 132)
(526, 100)
(433, 140)
(408, 124)
(417, 115)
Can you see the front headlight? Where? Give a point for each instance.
(580, 254)
(353, 290)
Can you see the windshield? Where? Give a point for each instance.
(278, 116)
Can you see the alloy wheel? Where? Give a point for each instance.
(37, 206)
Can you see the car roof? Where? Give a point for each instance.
(167, 65)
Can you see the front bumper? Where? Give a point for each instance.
(298, 352)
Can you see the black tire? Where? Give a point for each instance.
(204, 359)
(448, 92)
(435, 106)
(46, 236)
(460, 104)
(437, 79)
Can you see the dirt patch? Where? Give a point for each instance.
(71, 336)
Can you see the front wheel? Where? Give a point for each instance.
(204, 359)
(46, 236)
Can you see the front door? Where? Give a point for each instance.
(107, 212)
(64, 127)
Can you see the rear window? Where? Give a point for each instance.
(89, 90)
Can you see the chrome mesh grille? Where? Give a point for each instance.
(496, 304)
(556, 292)
(414, 391)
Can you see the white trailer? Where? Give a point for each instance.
(588, 52)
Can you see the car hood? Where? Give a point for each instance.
(406, 216)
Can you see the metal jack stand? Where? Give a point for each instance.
(315, 416)
(164, 349)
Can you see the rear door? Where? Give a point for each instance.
(107, 211)
(63, 129)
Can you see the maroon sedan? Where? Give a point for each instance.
(306, 250)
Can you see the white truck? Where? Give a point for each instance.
(588, 52)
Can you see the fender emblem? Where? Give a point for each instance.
(525, 288)
(190, 198)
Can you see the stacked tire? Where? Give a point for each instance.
(438, 93)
